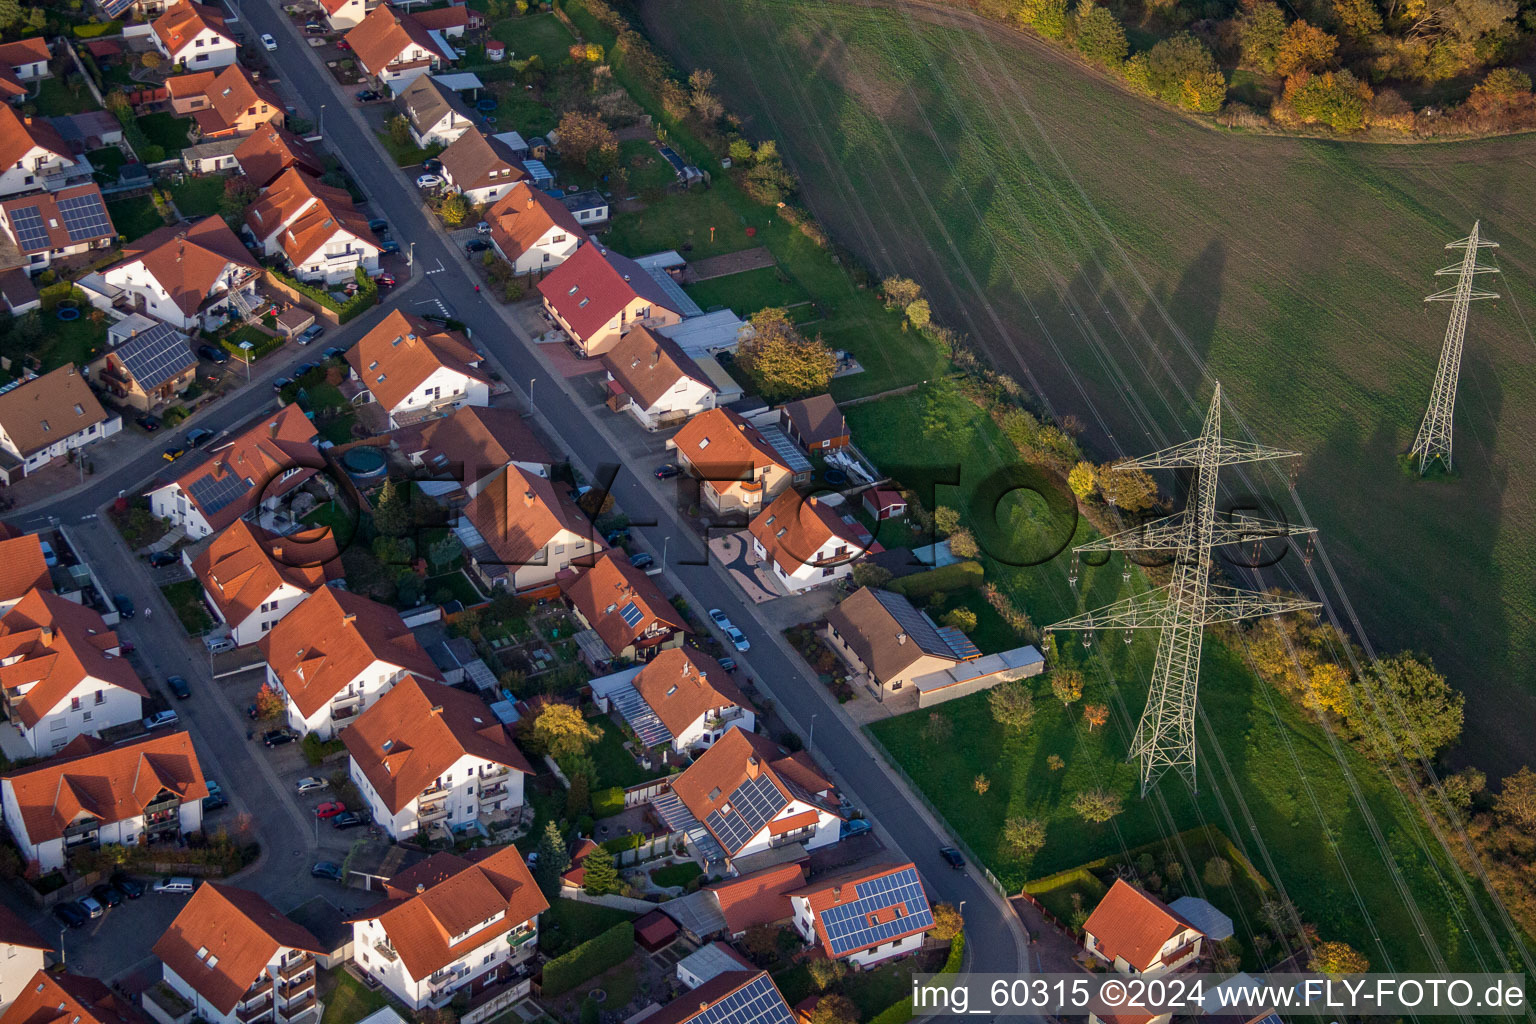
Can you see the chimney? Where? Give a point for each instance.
(530, 199)
(813, 501)
(436, 711)
(901, 638)
(837, 894)
(272, 429)
(352, 617)
(47, 634)
(421, 887)
(528, 499)
(753, 767)
(655, 357)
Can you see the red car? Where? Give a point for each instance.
(385, 280)
(342, 44)
(330, 809)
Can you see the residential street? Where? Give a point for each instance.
(591, 438)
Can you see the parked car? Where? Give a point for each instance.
(342, 44)
(729, 664)
(476, 245)
(161, 559)
(310, 783)
(198, 437)
(719, 617)
(161, 720)
(334, 353)
(326, 869)
(856, 827)
(432, 165)
(385, 280)
(215, 798)
(313, 333)
(642, 560)
(176, 885)
(268, 41)
(127, 885)
(277, 737)
(952, 857)
(429, 181)
(303, 368)
(378, 224)
(280, 383)
(313, 27)
(330, 809)
(483, 228)
(218, 644)
(213, 354)
(738, 639)
(92, 907)
(174, 452)
(349, 819)
(71, 913)
(148, 422)
(106, 895)
(50, 557)
(179, 687)
(666, 472)
(367, 95)
(389, 247)
(124, 605)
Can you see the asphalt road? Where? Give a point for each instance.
(993, 930)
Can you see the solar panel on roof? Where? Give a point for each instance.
(27, 224)
(958, 642)
(752, 805)
(914, 623)
(85, 217)
(156, 355)
(631, 615)
(849, 926)
(757, 1002)
(213, 494)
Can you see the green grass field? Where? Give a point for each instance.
(134, 217)
(167, 131)
(198, 196)
(748, 292)
(186, 598)
(531, 34)
(55, 99)
(1119, 257)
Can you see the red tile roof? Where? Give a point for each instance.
(590, 288)
(245, 564)
(234, 94)
(22, 567)
(724, 448)
(50, 998)
(473, 441)
(793, 530)
(474, 161)
(691, 1005)
(834, 890)
(18, 135)
(707, 785)
(446, 895)
(419, 730)
(24, 51)
(402, 351)
(648, 365)
(188, 261)
(322, 645)
(681, 683)
(524, 215)
(519, 515)
(223, 940)
(454, 16)
(1129, 923)
(109, 783)
(259, 457)
(270, 150)
(308, 213)
(760, 897)
(15, 931)
(576, 874)
(47, 206)
(386, 33)
(47, 409)
(181, 23)
(51, 645)
(602, 590)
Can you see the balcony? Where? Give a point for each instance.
(432, 812)
(258, 990)
(250, 1014)
(386, 951)
(498, 772)
(519, 939)
(301, 971)
(300, 1008)
(493, 792)
(289, 993)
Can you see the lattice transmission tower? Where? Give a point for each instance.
(1180, 610)
(1434, 439)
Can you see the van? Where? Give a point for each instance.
(180, 885)
(218, 644)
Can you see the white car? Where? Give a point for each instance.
(719, 618)
(310, 784)
(268, 41)
(738, 638)
(160, 720)
(483, 228)
(429, 181)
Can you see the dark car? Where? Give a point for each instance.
(347, 820)
(179, 687)
(161, 559)
(334, 353)
(71, 913)
(213, 354)
(312, 334)
(197, 438)
(302, 369)
(124, 605)
(326, 869)
(432, 165)
(277, 737)
(476, 245)
(368, 95)
(642, 560)
(378, 224)
(280, 383)
(952, 858)
(389, 246)
(666, 472)
(729, 664)
(856, 827)
(127, 885)
(385, 280)
(106, 895)
(215, 798)
(148, 422)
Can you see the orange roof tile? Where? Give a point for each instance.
(453, 16)
(223, 940)
(524, 215)
(833, 890)
(681, 683)
(269, 151)
(109, 783)
(723, 448)
(69, 999)
(51, 645)
(244, 564)
(691, 1005)
(519, 514)
(322, 645)
(15, 931)
(308, 214)
(19, 134)
(760, 897)
(417, 731)
(446, 895)
(234, 94)
(707, 784)
(648, 365)
(402, 351)
(259, 458)
(605, 587)
(48, 409)
(474, 161)
(24, 51)
(22, 567)
(182, 22)
(1129, 923)
(183, 87)
(473, 441)
(576, 874)
(189, 261)
(793, 529)
(384, 34)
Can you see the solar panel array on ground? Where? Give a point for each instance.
(850, 926)
(752, 805)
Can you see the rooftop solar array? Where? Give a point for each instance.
(85, 217)
(156, 355)
(213, 493)
(788, 452)
(676, 816)
(631, 615)
(751, 806)
(959, 643)
(31, 233)
(918, 626)
(848, 925)
(757, 1002)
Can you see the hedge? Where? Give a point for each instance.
(957, 576)
(608, 802)
(270, 343)
(367, 295)
(100, 28)
(589, 959)
(900, 1013)
(619, 844)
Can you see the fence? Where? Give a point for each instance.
(938, 815)
(634, 796)
(609, 900)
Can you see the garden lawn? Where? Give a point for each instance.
(408, 154)
(134, 218)
(569, 923)
(348, 999)
(748, 292)
(198, 196)
(615, 765)
(107, 161)
(541, 34)
(186, 597)
(676, 874)
(167, 131)
(644, 167)
(69, 341)
(337, 429)
(339, 520)
(458, 583)
(516, 105)
(55, 99)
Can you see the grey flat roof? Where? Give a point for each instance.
(1200, 913)
(787, 450)
(710, 960)
(977, 668)
(698, 912)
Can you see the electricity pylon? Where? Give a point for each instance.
(1434, 440)
(1165, 737)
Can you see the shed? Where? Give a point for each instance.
(495, 50)
(655, 931)
(542, 178)
(383, 1015)
(884, 503)
(1204, 916)
(976, 674)
(815, 423)
(719, 330)
(727, 390)
(698, 912)
(294, 320)
(708, 962)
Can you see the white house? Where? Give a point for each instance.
(481, 168)
(655, 381)
(193, 36)
(32, 152)
(531, 230)
(21, 958)
(450, 924)
(64, 673)
(237, 960)
(435, 113)
(316, 227)
(344, 14)
(337, 653)
(46, 418)
(187, 275)
(805, 542)
(521, 531)
(252, 578)
(751, 795)
(866, 915)
(682, 698)
(393, 47)
(1136, 933)
(26, 60)
(242, 476)
(46, 226)
(429, 755)
(415, 369)
(140, 791)
(469, 447)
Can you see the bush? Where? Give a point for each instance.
(1100, 37)
(1180, 70)
(367, 295)
(959, 576)
(608, 802)
(317, 750)
(589, 959)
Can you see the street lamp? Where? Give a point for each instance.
(246, 347)
(321, 130)
(530, 392)
(811, 741)
(665, 541)
(410, 255)
(63, 956)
